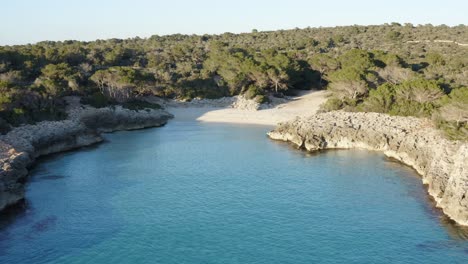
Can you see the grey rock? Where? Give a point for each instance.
(442, 163)
(22, 145)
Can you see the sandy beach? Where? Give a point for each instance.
(306, 103)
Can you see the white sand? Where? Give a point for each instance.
(306, 104)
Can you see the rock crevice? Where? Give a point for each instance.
(442, 163)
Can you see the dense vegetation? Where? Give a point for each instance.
(393, 68)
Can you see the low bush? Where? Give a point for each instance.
(452, 130)
(4, 126)
(97, 100)
(262, 99)
(332, 104)
(140, 105)
(412, 108)
(253, 91)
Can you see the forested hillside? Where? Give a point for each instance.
(392, 68)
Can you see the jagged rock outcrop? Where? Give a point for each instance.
(442, 163)
(22, 145)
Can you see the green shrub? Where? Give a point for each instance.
(412, 108)
(419, 90)
(452, 117)
(456, 95)
(435, 59)
(452, 130)
(262, 99)
(380, 100)
(47, 114)
(332, 104)
(393, 35)
(213, 93)
(97, 100)
(4, 126)
(105, 118)
(140, 105)
(253, 92)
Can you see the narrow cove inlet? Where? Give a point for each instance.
(192, 192)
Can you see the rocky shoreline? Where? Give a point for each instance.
(235, 102)
(442, 163)
(21, 146)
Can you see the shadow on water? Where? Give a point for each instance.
(22, 210)
(12, 214)
(41, 226)
(23, 215)
(435, 246)
(53, 156)
(454, 230)
(43, 174)
(46, 178)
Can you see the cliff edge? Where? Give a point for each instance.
(442, 163)
(21, 146)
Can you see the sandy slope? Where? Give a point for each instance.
(305, 104)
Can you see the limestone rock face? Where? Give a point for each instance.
(442, 163)
(22, 145)
(12, 174)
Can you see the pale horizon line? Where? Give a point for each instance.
(230, 32)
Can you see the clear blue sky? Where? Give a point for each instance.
(29, 21)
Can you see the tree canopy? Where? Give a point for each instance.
(405, 70)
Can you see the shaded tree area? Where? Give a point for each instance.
(391, 68)
(382, 82)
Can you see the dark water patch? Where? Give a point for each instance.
(456, 231)
(44, 224)
(47, 178)
(11, 214)
(53, 156)
(52, 177)
(438, 246)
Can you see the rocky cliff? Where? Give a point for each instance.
(443, 164)
(21, 146)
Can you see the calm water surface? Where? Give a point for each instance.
(207, 193)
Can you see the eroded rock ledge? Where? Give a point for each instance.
(443, 164)
(21, 146)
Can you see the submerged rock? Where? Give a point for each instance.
(442, 163)
(22, 145)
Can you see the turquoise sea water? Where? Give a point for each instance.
(211, 193)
